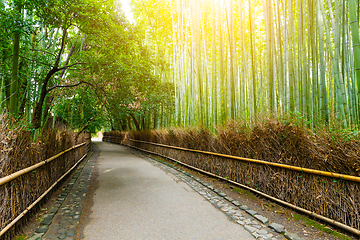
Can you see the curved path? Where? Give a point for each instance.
(135, 199)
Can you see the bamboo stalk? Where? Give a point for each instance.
(290, 59)
(35, 166)
(294, 168)
(310, 213)
(13, 222)
(355, 36)
(324, 113)
(214, 66)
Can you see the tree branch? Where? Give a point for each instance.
(67, 60)
(71, 85)
(36, 50)
(68, 66)
(64, 86)
(57, 62)
(36, 61)
(86, 125)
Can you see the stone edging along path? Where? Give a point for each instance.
(62, 218)
(258, 225)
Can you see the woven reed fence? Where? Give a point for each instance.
(18, 152)
(334, 198)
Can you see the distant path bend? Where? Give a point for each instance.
(136, 200)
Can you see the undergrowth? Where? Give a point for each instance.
(276, 140)
(311, 223)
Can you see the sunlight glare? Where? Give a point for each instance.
(125, 5)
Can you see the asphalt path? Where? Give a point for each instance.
(137, 200)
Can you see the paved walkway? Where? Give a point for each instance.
(137, 200)
(136, 197)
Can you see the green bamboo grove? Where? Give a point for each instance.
(78, 63)
(232, 59)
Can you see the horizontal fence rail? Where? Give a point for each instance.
(294, 168)
(17, 174)
(13, 222)
(35, 166)
(300, 209)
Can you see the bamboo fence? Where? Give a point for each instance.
(330, 195)
(42, 167)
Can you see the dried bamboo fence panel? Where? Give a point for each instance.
(17, 194)
(334, 198)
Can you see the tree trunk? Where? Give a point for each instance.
(24, 91)
(252, 53)
(5, 90)
(51, 98)
(232, 60)
(213, 68)
(323, 92)
(129, 122)
(222, 80)
(354, 26)
(36, 118)
(14, 101)
(269, 51)
(37, 115)
(155, 120)
(135, 122)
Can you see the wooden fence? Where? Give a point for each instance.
(22, 189)
(331, 197)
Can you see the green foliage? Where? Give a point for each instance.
(89, 44)
(299, 58)
(21, 237)
(79, 107)
(319, 226)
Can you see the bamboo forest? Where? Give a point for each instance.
(181, 63)
(240, 59)
(257, 98)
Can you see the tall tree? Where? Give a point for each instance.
(354, 26)
(14, 100)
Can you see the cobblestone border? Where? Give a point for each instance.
(62, 218)
(259, 226)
